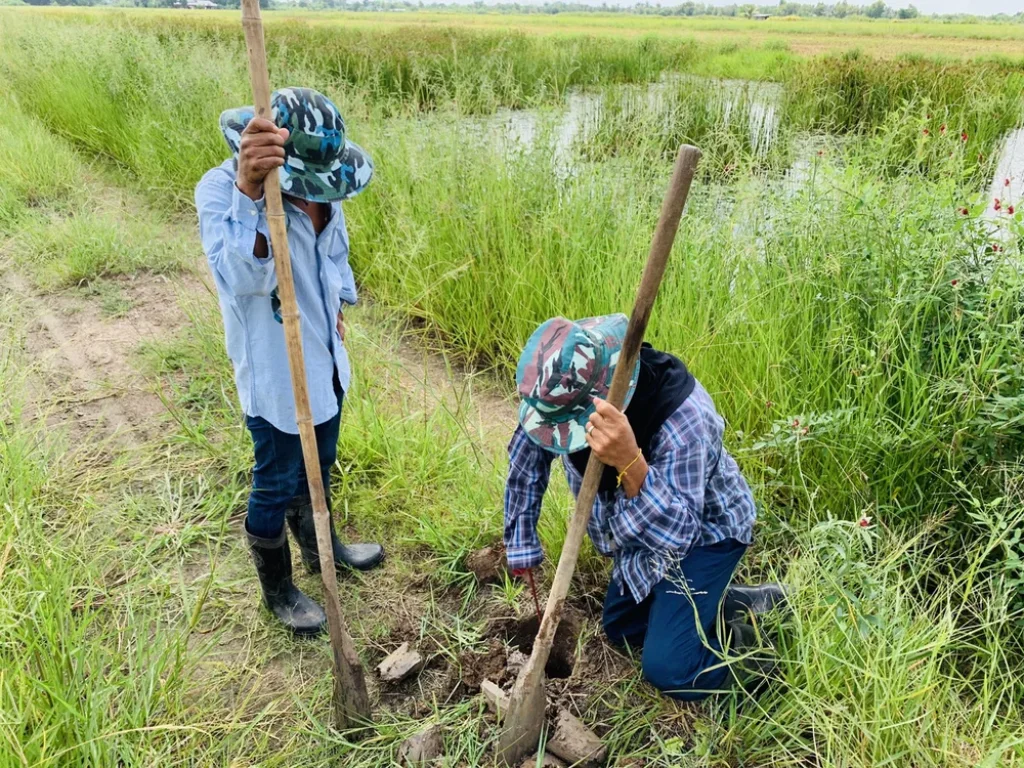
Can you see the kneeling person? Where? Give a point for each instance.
(673, 509)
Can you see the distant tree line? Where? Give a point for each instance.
(876, 10)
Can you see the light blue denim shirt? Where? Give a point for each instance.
(228, 223)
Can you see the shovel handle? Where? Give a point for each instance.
(657, 259)
(351, 698)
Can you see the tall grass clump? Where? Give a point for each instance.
(90, 677)
(901, 98)
(54, 231)
(421, 67)
(146, 102)
(735, 125)
(37, 170)
(895, 652)
(846, 326)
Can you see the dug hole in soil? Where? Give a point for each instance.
(510, 645)
(522, 633)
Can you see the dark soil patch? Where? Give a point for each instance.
(521, 634)
(486, 665)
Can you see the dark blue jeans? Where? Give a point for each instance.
(279, 474)
(677, 624)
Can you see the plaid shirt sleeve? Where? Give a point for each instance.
(666, 514)
(529, 470)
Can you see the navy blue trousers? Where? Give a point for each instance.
(279, 474)
(677, 625)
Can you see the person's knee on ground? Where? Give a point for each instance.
(623, 619)
(680, 677)
(621, 637)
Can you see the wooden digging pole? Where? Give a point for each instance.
(527, 704)
(351, 700)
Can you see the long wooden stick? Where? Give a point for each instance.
(351, 699)
(527, 704)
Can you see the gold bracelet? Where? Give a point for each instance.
(622, 474)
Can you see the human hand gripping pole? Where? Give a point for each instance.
(351, 699)
(525, 717)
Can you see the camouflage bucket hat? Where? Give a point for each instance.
(320, 165)
(564, 365)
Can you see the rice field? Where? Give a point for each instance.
(844, 283)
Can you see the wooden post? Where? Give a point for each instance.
(351, 699)
(527, 703)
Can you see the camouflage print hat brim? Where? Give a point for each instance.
(343, 179)
(339, 178)
(232, 123)
(563, 367)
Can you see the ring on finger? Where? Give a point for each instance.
(589, 428)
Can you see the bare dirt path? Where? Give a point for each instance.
(86, 360)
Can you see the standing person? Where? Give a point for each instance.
(673, 509)
(318, 168)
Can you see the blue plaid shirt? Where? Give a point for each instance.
(694, 495)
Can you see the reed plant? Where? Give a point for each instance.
(735, 124)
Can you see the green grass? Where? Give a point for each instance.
(861, 335)
(64, 252)
(36, 169)
(835, 313)
(907, 101)
(731, 123)
(107, 82)
(54, 231)
(895, 646)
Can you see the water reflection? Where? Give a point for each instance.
(563, 128)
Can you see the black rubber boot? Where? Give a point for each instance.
(754, 671)
(742, 601)
(362, 557)
(292, 608)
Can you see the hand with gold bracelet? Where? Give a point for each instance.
(611, 438)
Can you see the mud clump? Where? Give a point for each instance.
(487, 665)
(487, 564)
(421, 748)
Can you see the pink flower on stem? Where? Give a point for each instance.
(964, 211)
(864, 522)
(954, 283)
(796, 423)
(963, 135)
(1006, 182)
(997, 205)
(1009, 209)
(942, 129)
